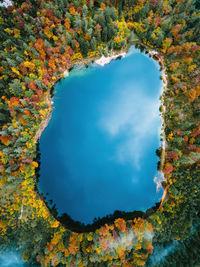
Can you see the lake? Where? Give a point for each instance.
(98, 151)
(11, 258)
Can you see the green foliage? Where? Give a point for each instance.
(41, 40)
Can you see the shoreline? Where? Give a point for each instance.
(164, 87)
(48, 98)
(101, 61)
(85, 61)
(44, 123)
(164, 142)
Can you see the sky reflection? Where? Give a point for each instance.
(98, 151)
(10, 259)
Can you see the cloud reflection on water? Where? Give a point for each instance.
(10, 259)
(98, 152)
(134, 114)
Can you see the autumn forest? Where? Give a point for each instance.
(42, 39)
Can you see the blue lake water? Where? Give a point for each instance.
(11, 259)
(98, 151)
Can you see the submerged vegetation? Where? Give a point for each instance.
(39, 41)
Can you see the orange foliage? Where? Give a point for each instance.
(148, 246)
(32, 85)
(52, 63)
(103, 6)
(39, 44)
(73, 244)
(150, 228)
(105, 243)
(72, 11)
(175, 30)
(168, 168)
(27, 112)
(172, 155)
(195, 132)
(121, 224)
(128, 264)
(23, 121)
(67, 23)
(6, 139)
(138, 224)
(14, 101)
(193, 93)
(103, 231)
(35, 164)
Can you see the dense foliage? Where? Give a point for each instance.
(39, 41)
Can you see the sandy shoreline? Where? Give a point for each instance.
(105, 60)
(45, 121)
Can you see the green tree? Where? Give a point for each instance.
(83, 46)
(105, 34)
(93, 43)
(16, 88)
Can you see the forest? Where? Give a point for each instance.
(39, 41)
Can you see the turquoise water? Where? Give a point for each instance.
(11, 259)
(98, 151)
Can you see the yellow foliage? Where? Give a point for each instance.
(1, 21)
(42, 112)
(9, 31)
(72, 11)
(130, 25)
(4, 159)
(32, 76)
(14, 124)
(191, 68)
(15, 71)
(47, 32)
(55, 224)
(170, 137)
(35, 164)
(55, 38)
(30, 65)
(56, 238)
(117, 39)
(16, 33)
(89, 237)
(93, 54)
(76, 56)
(98, 250)
(2, 182)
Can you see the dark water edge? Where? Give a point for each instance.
(79, 227)
(65, 219)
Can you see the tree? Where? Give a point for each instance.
(16, 88)
(83, 46)
(85, 10)
(105, 34)
(93, 43)
(77, 21)
(85, 24)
